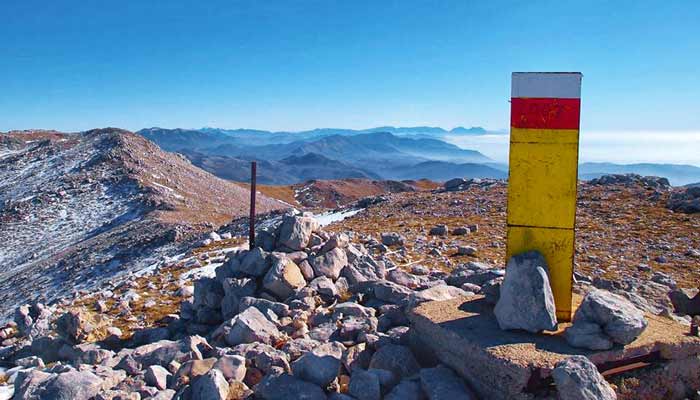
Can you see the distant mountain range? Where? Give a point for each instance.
(324, 153)
(378, 153)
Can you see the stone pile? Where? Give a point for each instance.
(307, 313)
(632, 179)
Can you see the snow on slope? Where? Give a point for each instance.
(79, 209)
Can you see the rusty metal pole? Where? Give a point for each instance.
(251, 232)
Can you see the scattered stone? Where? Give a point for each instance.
(254, 263)
(441, 383)
(587, 335)
(618, 318)
(210, 386)
(251, 326)
(395, 358)
(295, 231)
(576, 378)
(439, 230)
(406, 390)
(232, 366)
(459, 231)
(365, 385)
(280, 387)
(683, 303)
(526, 300)
(157, 376)
(320, 365)
(283, 278)
(392, 239)
(75, 326)
(466, 251)
(330, 263)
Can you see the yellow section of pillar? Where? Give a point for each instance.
(557, 247)
(542, 204)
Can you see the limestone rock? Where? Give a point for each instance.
(157, 376)
(254, 263)
(320, 365)
(407, 389)
(211, 386)
(587, 335)
(526, 301)
(251, 326)
(577, 378)
(295, 231)
(395, 358)
(232, 366)
(364, 385)
(436, 293)
(618, 318)
(281, 387)
(329, 264)
(283, 278)
(441, 383)
(392, 239)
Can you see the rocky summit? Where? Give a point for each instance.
(319, 308)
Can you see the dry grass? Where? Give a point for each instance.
(617, 229)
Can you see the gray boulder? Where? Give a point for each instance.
(391, 292)
(365, 385)
(320, 365)
(264, 305)
(23, 320)
(441, 383)
(436, 293)
(284, 387)
(296, 231)
(330, 263)
(262, 356)
(157, 376)
(251, 326)
(439, 230)
(407, 389)
(577, 378)
(72, 385)
(392, 239)
(395, 358)
(232, 366)
(283, 278)
(235, 290)
(587, 335)
(617, 316)
(254, 263)
(325, 287)
(526, 301)
(210, 386)
(338, 240)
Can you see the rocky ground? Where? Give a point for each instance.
(322, 313)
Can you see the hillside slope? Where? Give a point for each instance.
(76, 209)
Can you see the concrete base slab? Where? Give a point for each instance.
(464, 334)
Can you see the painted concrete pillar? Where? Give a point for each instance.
(543, 170)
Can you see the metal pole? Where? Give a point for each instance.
(251, 232)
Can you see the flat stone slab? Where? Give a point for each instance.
(464, 334)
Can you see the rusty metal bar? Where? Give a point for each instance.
(251, 231)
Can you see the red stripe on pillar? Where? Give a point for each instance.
(545, 113)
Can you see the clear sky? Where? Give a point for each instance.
(294, 65)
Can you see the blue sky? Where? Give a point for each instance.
(294, 65)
